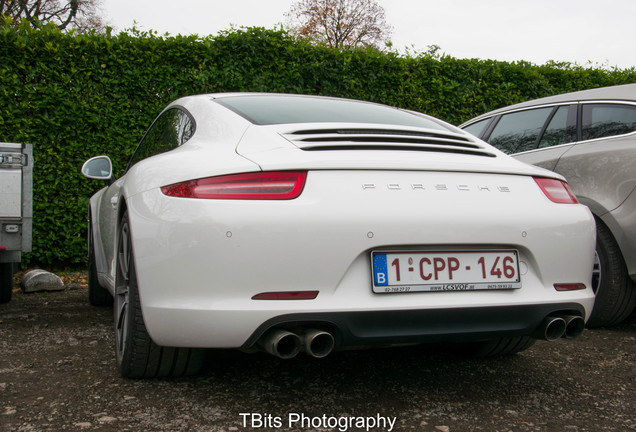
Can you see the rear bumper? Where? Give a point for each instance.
(356, 329)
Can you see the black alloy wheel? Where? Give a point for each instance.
(614, 289)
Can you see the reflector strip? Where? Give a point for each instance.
(569, 286)
(291, 295)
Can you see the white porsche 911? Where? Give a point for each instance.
(293, 223)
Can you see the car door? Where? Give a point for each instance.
(600, 167)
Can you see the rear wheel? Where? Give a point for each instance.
(6, 282)
(137, 355)
(615, 291)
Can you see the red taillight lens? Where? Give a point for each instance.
(279, 185)
(556, 190)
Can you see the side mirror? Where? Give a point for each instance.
(98, 168)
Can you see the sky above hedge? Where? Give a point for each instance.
(576, 31)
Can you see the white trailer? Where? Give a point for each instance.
(16, 210)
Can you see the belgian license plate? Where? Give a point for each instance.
(403, 271)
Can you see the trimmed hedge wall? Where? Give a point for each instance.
(76, 96)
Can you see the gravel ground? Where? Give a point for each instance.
(57, 373)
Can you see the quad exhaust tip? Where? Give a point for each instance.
(282, 344)
(319, 343)
(574, 326)
(553, 328)
(286, 345)
(556, 327)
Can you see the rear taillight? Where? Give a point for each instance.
(278, 185)
(556, 190)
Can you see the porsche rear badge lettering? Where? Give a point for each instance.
(438, 187)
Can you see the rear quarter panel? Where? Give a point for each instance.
(545, 158)
(602, 173)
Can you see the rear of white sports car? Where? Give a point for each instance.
(319, 236)
(294, 223)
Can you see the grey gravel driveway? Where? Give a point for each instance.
(57, 373)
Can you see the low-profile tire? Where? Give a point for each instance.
(497, 347)
(615, 291)
(97, 295)
(6, 282)
(137, 355)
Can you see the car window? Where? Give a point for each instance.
(170, 130)
(477, 128)
(559, 130)
(286, 109)
(602, 120)
(517, 132)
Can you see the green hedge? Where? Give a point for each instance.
(76, 96)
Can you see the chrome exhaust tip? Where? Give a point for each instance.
(552, 328)
(319, 343)
(574, 326)
(282, 344)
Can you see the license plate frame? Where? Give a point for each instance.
(399, 271)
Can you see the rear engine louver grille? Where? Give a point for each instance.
(384, 139)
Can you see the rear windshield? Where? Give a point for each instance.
(282, 109)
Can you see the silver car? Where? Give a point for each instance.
(589, 137)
